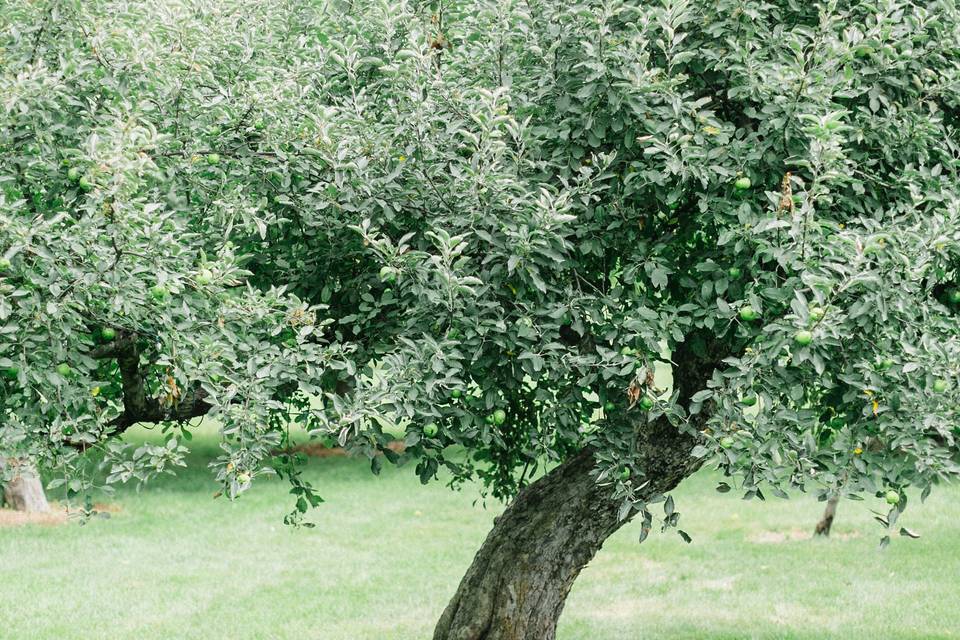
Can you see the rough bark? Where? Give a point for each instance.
(519, 580)
(823, 527)
(24, 491)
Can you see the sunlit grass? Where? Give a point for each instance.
(387, 553)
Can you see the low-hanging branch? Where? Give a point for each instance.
(138, 405)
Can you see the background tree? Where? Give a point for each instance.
(829, 513)
(23, 490)
(510, 213)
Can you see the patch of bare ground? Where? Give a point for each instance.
(794, 535)
(58, 514)
(320, 450)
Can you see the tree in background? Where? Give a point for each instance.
(486, 223)
(23, 490)
(829, 513)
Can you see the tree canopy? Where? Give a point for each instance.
(485, 223)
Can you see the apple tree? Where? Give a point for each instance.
(500, 219)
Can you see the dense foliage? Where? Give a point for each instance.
(486, 222)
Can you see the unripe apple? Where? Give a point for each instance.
(159, 292)
(388, 274)
(803, 338)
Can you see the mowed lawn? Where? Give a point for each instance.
(387, 553)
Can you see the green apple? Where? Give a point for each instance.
(73, 174)
(388, 274)
(742, 183)
(11, 372)
(213, 158)
(892, 497)
(609, 406)
(85, 184)
(108, 333)
(646, 403)
(748, 314)
(803, 338)
(456, 393)
(726, 442)
(734, 273)
(63, 369)
(954, 295)
(159, 292)
(205, 277)
(5, 264)
(748, 401)
(885, 364)
(430, 430)
(243, 477)
(817, 313)
(499, 417)
(940, 385)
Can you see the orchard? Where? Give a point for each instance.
(485, 225)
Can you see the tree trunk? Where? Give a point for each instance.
(24, 491)
(823, 527)
(519, 580)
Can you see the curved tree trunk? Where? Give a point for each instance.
(519, 580)
(24, 491)
(823, 527)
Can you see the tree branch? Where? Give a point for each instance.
(138, 406)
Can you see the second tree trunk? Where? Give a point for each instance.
(24, 491)
(823, 527)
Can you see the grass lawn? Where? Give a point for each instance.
(387, 553)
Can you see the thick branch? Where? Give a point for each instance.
(138, 406)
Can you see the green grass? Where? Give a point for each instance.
(387, 553)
